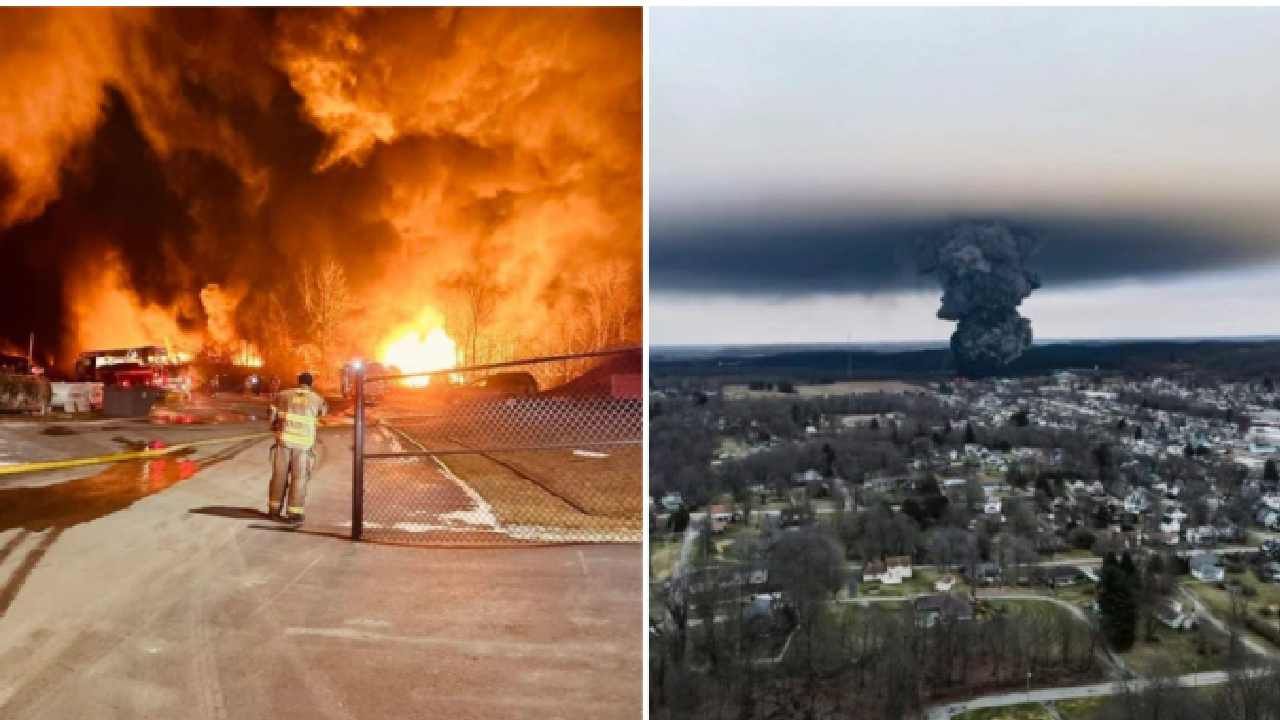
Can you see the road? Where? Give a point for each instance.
(1217, 677)
(174, 597)
(948, 710)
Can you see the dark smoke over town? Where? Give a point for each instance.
(982, 268)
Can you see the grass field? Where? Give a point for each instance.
(662, 558)
(1081, 708)
(1025, 711)
(1219, 601)
(1180, 652)
(921, 582)
(836, 389)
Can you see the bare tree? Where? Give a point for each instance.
(280, 347)
(610, 299)
(326, 300)
(479, 294)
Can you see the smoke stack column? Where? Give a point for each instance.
(984, 278)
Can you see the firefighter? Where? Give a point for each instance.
(293, 417)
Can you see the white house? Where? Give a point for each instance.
(1206, 568)
(1137, 502)
(890, 572)
(1174, 615)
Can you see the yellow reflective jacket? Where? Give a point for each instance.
(299, 407)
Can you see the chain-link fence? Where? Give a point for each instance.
(533, 451)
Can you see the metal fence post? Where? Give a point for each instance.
(357, 467)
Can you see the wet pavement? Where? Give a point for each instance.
(185, 602)
(119, 485)
(36, 439)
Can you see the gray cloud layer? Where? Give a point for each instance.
(794, 256)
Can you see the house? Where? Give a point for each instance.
(944, 583)
(1202, 535)
(1137, 502)
(672, 501)
(987, 573)
(721, 517)
(890, 572)
(992, 506)
(1269, 572)
(1205, 567)
(802, 479)
(1269, 519)
(1060, 576)
(942, 606)
(1172, 613)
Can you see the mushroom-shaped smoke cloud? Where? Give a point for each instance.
(983, 273)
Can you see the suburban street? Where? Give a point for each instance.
(948, 710)
(157, 588)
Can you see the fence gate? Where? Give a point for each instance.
(546, 450)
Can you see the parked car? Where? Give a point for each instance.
(1269, 572)
(499, 385)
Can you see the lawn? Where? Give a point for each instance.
(1025, 711)
(662, 558)
(1219, 601)
(1080, 708)
(1181, 652)
(1079, 594)
(921, 582)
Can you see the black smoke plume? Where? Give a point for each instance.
(982, 269)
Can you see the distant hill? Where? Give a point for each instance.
(1230, 358)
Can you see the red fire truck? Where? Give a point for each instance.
(147, 365)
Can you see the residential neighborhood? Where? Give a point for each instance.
(1135, 516)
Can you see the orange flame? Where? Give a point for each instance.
(412, 350)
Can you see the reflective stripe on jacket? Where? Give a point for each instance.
(300, 408)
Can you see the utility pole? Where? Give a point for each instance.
(31, 348)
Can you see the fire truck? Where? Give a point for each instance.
(147, 365)
(373, 390)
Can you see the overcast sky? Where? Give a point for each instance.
(798, 155)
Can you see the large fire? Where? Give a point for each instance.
(413, 351)
(275, 187)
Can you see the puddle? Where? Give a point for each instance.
(131, 445)
(58, 430)
(76, 501)
(172, 417)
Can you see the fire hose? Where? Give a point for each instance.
(146, 454)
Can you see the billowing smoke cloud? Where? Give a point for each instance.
(797, 251)
(982, 268)
(435, 154)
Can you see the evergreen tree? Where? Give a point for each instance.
(969, 436)
(1117, 599)
(1269, 472)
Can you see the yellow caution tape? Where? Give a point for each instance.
(122, 456)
